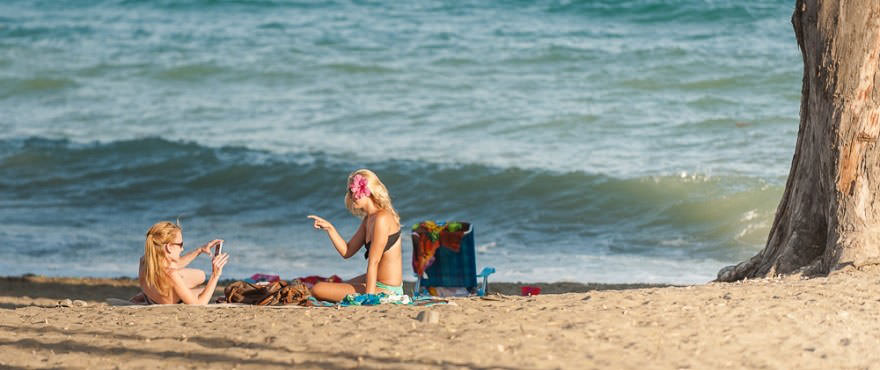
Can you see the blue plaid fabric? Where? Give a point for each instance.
(452, 269)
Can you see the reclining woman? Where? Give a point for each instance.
(162, 275)
(366, 197)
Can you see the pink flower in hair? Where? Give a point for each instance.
(358, 187)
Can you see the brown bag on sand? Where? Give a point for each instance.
(276, 293)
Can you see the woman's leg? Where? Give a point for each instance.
(335, 292)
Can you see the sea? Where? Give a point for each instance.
(609, 141)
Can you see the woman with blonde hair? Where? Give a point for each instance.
(379, 232)
(162, 275)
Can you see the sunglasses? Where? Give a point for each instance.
(177, 244)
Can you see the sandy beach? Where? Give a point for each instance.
(769, 323)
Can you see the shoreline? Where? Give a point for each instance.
(827, 322)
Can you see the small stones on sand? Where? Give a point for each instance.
(430, 317)
(71, 303)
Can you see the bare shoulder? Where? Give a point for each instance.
(385, 219)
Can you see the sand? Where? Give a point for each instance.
(821, 323)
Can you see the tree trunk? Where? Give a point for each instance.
(827, 218)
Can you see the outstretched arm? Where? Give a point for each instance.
(189, 257)
(345, 249)
(187, 296)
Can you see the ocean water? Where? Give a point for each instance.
(593, 141)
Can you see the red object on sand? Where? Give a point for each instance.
(530, 290)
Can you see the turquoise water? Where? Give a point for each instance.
(602, 141)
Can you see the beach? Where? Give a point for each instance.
(828, 322)
(614, 155)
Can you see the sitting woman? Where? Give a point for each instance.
(367, 197)
(163, 277)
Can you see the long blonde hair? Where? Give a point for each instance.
(378, 193)
(155, 259)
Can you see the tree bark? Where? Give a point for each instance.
(829, 217)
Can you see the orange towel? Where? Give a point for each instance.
(429, 238)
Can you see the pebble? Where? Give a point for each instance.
(79, 303)
(431, 317)
(65, 303)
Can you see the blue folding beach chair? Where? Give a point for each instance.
(452, 269)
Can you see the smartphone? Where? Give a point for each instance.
(218, 249)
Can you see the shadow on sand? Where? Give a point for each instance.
(281, 356)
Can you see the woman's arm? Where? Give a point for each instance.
(345, 249)
(187, 296)
(189, 257)
(380, 237)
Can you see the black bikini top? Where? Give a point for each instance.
(391, 240)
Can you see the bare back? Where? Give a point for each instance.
(151, 292)
(191, 278)
(391, 264)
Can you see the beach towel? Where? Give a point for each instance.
(377, 299)
(119, 302)
(351, 300)
(311, 280)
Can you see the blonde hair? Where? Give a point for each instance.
(378, 193)
(155, 260)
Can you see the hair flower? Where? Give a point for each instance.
(358, 187)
